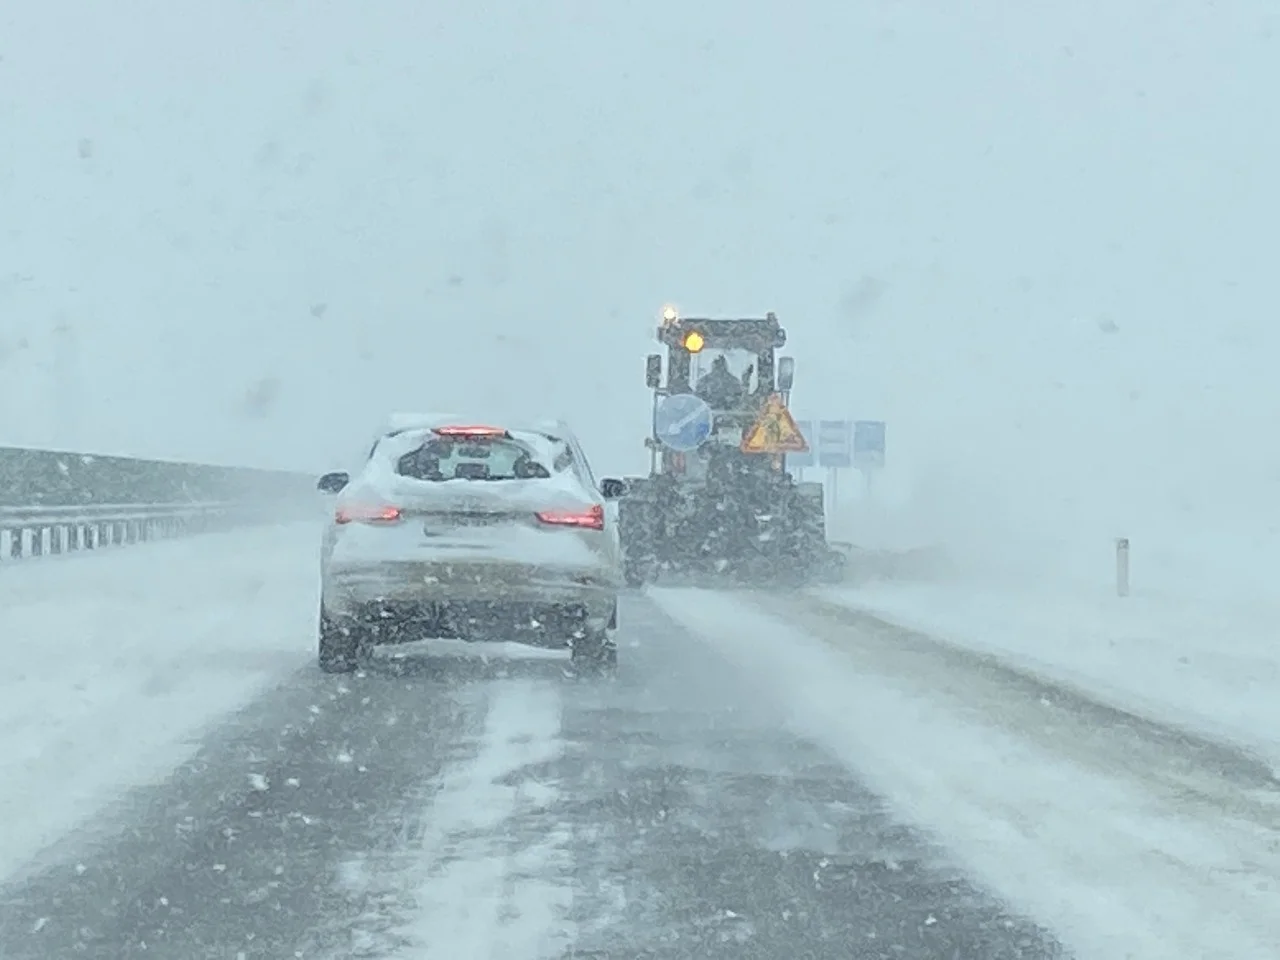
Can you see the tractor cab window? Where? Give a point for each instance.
(724, 378)
(740, 363)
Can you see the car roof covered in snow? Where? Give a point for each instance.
(547, 437)
(410, 432)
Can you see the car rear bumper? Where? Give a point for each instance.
(539, 602)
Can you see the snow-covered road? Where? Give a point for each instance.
(767, 778)
(1128, 839)
(116, 663)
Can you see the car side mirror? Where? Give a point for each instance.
(786, 373)
(613, 489)
(333, 482)
(653, 371)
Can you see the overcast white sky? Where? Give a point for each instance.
(265, 224)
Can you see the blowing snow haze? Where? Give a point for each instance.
(1035, 238)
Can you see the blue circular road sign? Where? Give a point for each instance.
(682, 422)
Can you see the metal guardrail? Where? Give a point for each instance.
(35, 531)
(59, 501)
(32, 476)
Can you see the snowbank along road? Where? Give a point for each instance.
(765, 779)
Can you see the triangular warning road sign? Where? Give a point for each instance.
(775, 431)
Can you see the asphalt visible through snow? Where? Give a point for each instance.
(431, 807)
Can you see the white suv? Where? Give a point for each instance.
(475, 531)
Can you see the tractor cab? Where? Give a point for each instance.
(693, 344)
(731, 365)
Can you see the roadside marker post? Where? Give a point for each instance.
(1122, 566)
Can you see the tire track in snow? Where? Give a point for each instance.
(484, 876)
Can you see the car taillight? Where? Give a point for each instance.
(362, 514)
(589, 519)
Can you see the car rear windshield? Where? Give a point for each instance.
(497, 458)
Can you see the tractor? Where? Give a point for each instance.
(718, 504)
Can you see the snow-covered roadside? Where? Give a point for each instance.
(115, 664)
(1209, 666)
(1117, 869)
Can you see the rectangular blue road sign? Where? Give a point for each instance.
(834, 442)
(868, 444)
(800, 460)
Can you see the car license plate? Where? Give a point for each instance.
(457, 523)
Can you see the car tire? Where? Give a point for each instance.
(339, 648)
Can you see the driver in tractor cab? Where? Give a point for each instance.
(720, 388)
